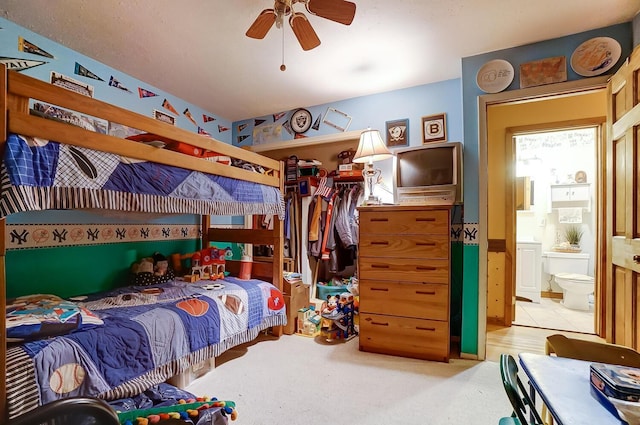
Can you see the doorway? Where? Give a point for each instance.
(556, 204)
(577, 108)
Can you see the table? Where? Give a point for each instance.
(563, 384)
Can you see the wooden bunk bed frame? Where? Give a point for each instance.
(16, 91)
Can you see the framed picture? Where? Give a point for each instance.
(397, 132)
(434, 128)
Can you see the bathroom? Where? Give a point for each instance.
(556, 196)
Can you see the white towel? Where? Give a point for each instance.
(570, 215)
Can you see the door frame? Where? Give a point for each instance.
(484, 101)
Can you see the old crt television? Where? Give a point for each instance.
(430, 174)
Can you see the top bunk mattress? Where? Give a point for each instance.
(39, 174)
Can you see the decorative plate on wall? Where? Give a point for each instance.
(494, 76)
(300, 120)
(595, 56)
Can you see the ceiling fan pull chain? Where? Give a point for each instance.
(283, 67)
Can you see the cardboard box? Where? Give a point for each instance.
(352, 173)
(296, 299)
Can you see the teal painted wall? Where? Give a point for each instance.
(80, 270)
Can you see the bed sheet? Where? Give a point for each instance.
(149, 334)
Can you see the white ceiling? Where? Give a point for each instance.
(197, 49)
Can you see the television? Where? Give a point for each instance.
(430, 174)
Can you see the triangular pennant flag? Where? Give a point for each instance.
(187, 114)
(84, 72)
(207, 118)
(258, 122)
(117, 84)
(287, 126)
(203, 132)
(222, 128)
(168, 106)
(145, 93)
(16, 64)
(241, 127)
(242, 138)
(27, 47)
(279, 115)
(316, 124)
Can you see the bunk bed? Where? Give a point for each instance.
(42, 139)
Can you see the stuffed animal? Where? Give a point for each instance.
(329, 306)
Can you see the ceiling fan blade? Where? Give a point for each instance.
(340, 11)
(305, 34)
(262, 24)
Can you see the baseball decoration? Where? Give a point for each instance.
(67, 378)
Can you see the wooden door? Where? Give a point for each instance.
(621, 297)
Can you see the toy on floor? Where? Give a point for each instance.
(185, 409)
(338, 321)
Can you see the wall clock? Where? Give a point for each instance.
(300, 120)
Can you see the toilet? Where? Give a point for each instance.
(569, 271)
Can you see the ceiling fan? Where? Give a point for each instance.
(340, 11)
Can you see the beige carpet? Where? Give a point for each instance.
(299, 380)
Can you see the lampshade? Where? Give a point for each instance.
(371, 147)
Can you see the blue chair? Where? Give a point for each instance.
(523, 406)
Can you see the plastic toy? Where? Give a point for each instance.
(184, 409)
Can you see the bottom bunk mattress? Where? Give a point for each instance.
(138, 337)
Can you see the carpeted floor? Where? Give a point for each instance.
(298, 380)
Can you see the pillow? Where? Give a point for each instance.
(44, 315)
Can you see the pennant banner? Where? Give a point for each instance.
(117, 84)
(316, 124)
(27, 47)
(258, 122)
(222, 128)
(169, 106)
(187, 114)
(241, 127)
(276, 117)
(16, 64)
(145, 93)
(207, 118)
(242, 138)
(203, 132)
(84, 72)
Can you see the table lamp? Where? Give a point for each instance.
(371, 148)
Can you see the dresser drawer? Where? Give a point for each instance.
(399, 336)
(405, 222)
(419, 300)
(406, 246)
(406, 269)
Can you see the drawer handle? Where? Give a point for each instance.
(425, 219)
(431, 268)
(425, 244)
(380, 289)
(420, 328)
(380, 219)
(380, 243)
(379, 323)
(379, 266)
(426, 292)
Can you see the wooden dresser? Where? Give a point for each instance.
(404, 275)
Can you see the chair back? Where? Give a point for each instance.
(592, 351)
(69, 411)
(523, 407)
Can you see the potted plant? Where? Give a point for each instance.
(573, 235)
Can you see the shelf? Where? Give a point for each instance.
(306, 142)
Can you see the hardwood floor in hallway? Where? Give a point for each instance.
(523, 339)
